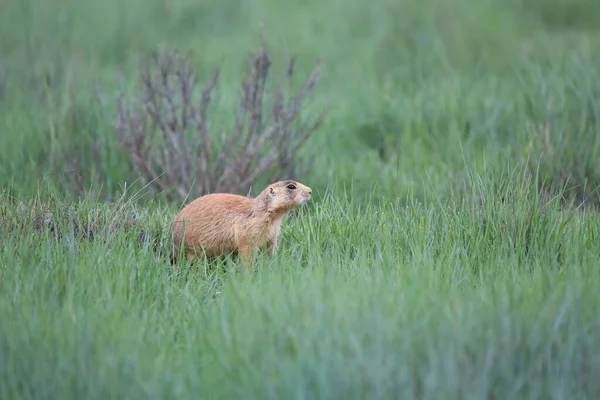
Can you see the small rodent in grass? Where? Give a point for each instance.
(219, 223)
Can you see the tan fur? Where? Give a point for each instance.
(222, 222)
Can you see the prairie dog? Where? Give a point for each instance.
(223, 222)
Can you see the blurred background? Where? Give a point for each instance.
(416, 92)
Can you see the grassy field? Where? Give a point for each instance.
(451, 248)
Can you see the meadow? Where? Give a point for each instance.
(450, 250)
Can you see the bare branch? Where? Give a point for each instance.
(168, 138)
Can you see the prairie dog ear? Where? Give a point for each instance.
(271, 190)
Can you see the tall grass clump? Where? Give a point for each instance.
(480, 297)
(562, 129)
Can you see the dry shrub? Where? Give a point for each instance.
(176, 150)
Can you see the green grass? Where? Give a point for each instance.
(450, 250)
(449, 300)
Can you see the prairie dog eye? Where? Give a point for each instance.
(291, 186)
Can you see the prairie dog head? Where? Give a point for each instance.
(286, 195)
